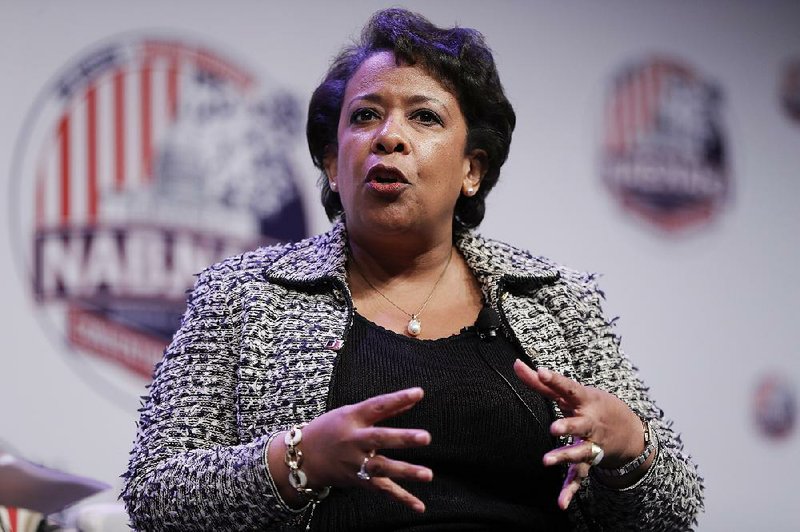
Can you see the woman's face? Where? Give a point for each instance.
(401, 161)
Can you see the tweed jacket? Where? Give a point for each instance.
(255, 353)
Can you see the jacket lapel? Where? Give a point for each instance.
(520, 287)
(513, 283)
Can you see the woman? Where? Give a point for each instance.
(342, 382)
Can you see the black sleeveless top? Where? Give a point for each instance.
(488, 435)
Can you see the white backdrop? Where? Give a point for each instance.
(705, 312)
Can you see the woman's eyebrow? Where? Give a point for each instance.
(421, 98)
(373, 97)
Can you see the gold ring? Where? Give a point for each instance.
(597, 454)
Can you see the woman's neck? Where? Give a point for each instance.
(381, 258)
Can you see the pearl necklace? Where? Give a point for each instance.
(414, 326)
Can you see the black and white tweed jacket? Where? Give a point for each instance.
(255, 353)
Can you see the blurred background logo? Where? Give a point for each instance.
(664, 152)
(146, 160)
(790, 89)
(775, 406)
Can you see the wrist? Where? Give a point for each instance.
(294, 459)
(278, 472)
(648, 444)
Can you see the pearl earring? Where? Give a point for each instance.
(332, 184)
(469, 191)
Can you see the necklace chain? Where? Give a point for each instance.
(414, 324)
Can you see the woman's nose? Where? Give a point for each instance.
(389, 139)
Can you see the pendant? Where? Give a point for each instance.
(414, 326)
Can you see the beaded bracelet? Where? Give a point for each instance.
(294, 459)
(650, 443)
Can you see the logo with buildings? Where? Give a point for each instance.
(790, 89)
(146, 160)
(664, 152)
(775, 406)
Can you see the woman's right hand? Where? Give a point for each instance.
(335, 444)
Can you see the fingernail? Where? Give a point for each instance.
(419, 507)
(545, 374)
(425, 475)
(422, 437)
(415, 393)
(549, 460)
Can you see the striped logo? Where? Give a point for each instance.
(664, 155)
(146, 160)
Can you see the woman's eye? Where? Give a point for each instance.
(427, 117)
(362, 115)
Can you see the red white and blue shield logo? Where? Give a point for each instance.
(144, 161)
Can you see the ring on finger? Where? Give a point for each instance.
(362, 472)
(596, 455)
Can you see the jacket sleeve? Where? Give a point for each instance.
(670, 495)
(188, 470)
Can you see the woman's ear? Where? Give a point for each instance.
(330, 167)
(477, 163)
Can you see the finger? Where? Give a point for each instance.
(381, 466)
(581, 427)
(572, 483)
(391, 438)
(569, 488)
(531, 378)
(580, 451)
(401, 495)
(384, 406)
(570, 391)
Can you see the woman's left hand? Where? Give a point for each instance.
(591, 415)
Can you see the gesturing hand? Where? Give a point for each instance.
(335, 444)
(591, 415)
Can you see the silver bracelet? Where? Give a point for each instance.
(650, 443)
(294, 459)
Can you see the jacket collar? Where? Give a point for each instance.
(494, 262)
(324, 257)
(312, 260)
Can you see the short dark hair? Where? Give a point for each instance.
(459, 58)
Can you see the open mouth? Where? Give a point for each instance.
(385, 175)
